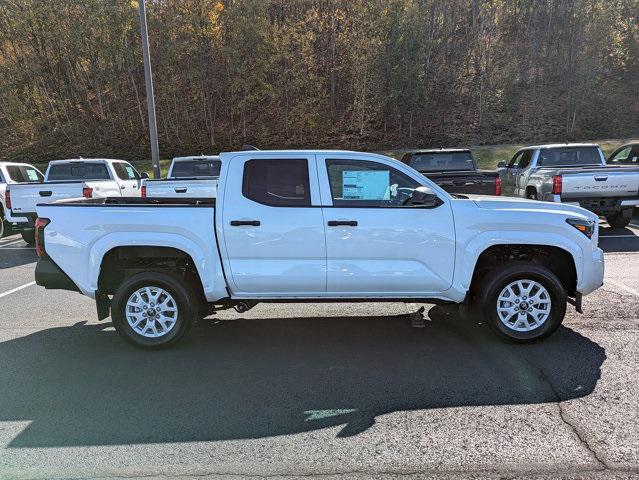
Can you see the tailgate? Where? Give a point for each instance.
(601, 183)
(465, 182)
(182, 188)
(24, 198)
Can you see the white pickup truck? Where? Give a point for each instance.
(82, 178)
(10, 174)
(317, 226)
(188, 177)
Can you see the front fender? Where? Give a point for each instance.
(470, 252)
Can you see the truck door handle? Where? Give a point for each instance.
(122, 187)
(342, 223)
(180, 190)
(239, 223)
(45, 193)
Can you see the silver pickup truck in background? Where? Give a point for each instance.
(188, 177)
(576, 174)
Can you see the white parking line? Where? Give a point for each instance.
(17, 289)
(17, 248)
(12, 242)
(623, 287)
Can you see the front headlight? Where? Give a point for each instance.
(587, 227)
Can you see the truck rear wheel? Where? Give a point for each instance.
(621, 219)
(523, 302)
(153, 310)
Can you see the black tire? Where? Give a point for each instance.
(184, 298)
(3, 227)
(502, 276)
(29, 237)
(620, 220)
(532, 195)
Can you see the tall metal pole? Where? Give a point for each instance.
(150, 102)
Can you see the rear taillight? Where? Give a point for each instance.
(40, 223)
(556, 185)
(143, 191)
(7, 199)
(87, 192)
(498, 186)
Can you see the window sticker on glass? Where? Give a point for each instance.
(33, 175)
(366, 185)
(129, 171)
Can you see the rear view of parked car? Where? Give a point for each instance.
(455, 170)
(11, 174)
(188, 177)
(66, 179)
(576, 174)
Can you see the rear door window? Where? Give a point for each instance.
(278, 183)
(24, 173)
(196, 168)
(569, 156)
(77, 171)
(438, 161)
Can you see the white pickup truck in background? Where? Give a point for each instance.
(65, 179)
(317, 226)
(10, 174)
(188, 177)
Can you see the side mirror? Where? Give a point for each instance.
(144, 175)
(501, 164)
(425, 197)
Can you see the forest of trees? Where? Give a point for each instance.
(365, 74)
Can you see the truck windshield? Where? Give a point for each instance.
(78, 171)
(23, 173)
(437, 161)
(196, 168)
(569, 157)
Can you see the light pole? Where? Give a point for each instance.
(150, 102)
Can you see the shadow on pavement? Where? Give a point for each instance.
(15, 253)
(82, 385)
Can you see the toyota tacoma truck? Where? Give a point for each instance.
(576, 174)
(455, 170)
(188, 177)
(64, 179)
(10, 174)
(318, 226)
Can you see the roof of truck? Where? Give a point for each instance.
(196, 157)
(439, 150)
(562, 145)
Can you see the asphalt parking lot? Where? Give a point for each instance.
(343, 391)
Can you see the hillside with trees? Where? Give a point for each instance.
(367, 74)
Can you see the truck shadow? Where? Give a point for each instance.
(82, 385)
(15, 253)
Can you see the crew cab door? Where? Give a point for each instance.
(272, 226)
(377, 244)
(127, 178)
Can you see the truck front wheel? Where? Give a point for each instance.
(621, 219)
(152, 310)
(523, 302)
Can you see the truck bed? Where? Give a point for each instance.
(465, 181)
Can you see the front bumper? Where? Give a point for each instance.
(50, 276)
(593, 273)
